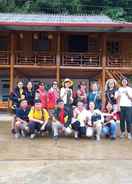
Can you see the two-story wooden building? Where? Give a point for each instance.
(57, 46)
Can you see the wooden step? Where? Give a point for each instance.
(4, 105)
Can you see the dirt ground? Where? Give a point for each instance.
(45, 161)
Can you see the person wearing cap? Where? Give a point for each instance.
(124, 98)
(52, 97)
(22, 120)
(61, 119)
(38, 119)
(66, 92)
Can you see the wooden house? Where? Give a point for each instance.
(53, 47)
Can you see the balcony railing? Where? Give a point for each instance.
(67, 59)
(119, 61)
(4, 58)
(36, 58)
(81, 59)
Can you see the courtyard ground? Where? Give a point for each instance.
(45, 161)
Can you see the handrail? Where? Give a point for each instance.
(36, 58)
(81, 59)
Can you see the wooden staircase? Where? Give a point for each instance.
(117, 75)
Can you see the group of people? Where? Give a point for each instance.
(68, 111)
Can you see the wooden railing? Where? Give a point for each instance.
(67, 59)
(80, 59)
(4, 58)
(119, 61)
(41, 58)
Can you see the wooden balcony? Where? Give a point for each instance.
(41, 58)
(81, 59)
(67, 59)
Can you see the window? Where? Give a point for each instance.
(40, 42)
(113, 47)
(78, 43)
(81, 43)
(3, 43)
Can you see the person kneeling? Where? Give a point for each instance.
(21, 119)
(38, 120)
(61, 119)
(79, 120)
(95, 121)
(110, 126)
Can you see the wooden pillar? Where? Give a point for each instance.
(12, 61)
(58, 58)
(104, 58)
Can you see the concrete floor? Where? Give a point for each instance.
(44, 161)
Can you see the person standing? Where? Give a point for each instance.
(82, 93)
(41, 94)
(17, 95)
(124, 98)
(66, 92)
(30, 94)
(94, 96)
(52, 97)
(110, 92)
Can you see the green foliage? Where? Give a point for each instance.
(116, 13)
(116, 9)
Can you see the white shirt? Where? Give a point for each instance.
(124, 101)
(63, 95)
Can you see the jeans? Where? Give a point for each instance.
(80, 129)
(35, 126)
(126, 117)
(110, 129)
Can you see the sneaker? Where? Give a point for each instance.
(97, 138)
(76, 135)
(122, 135)
(17, 135)
(23, 133)
(43, 128)
(55, 138)
(129, 136)
(32, 136)
(113, 138)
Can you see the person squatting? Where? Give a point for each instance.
(68, 111)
